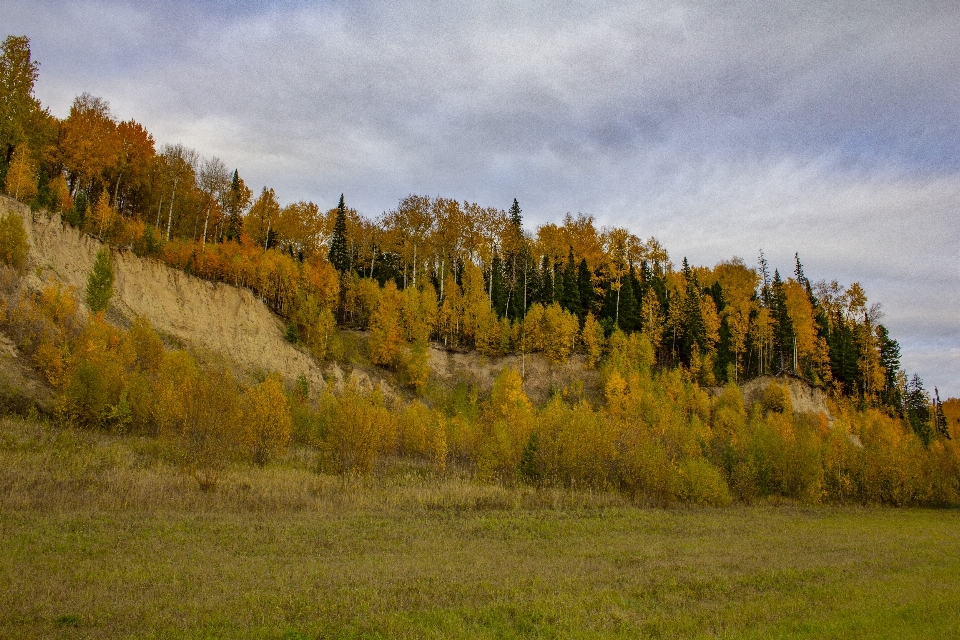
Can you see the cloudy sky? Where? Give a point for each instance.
(722, 128)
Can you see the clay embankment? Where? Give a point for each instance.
(217, 318)
(804, 397)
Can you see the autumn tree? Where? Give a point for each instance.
(263, 215)
(14, 246)
(386, 328)
(21, 181)
(265, 421)
(237, 201)
(18, 107)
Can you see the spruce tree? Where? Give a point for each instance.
(783, 326)
(939, 417)
(338, 243)
(235, 204)
(545, 292)
(917, 409)
(100, 282)
(629, 315)
(571, 290)
(585, 287)
(890, 361)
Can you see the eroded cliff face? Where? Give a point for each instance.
(217, 318)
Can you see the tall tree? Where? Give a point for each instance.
(18, 73)
(338, 255)
(571, 290)
(917, 409)
(238, 199)
(585, 289)
(890, 361)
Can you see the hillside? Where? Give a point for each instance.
(207, 316)
(231, 323)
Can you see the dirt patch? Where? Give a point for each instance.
(541, 377)
(804, 397)
(21, 389)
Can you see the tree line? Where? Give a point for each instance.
(439, 270)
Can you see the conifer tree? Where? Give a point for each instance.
(890, 361)
(238, 197)
(783, 328)
(917, 409)
(585, 289)
(939, 418)
(100, 282)
(338, 243)
(571, 291)
(629, 315)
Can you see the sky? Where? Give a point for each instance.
(827, 129)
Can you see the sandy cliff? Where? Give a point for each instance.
(213, 317)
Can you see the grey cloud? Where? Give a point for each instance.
(830, 129)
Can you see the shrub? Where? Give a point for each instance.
(265, 420)
(13, 242)
(359, 429)
(699, 482)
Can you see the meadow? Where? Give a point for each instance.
(106, 536)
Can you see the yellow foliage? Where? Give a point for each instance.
(560, 329)
(422, 433)
(265, 420)
(419, 312)
(507, 425)
(415, 365)
(21, 182)
(359, 430)
(386, 331)
(776, 398)
(533, 337)
(175, 379)
(14, 246)
(593, 339)
(146, 345)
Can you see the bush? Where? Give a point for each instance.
(699, 482)
(359, 429)
(14, 247)
(266, 421)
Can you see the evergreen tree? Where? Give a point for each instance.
(917, 409)
(546, 293)
(939, 417)
(801, 278)
(585, 288)
(629, 317)
(338, 243)
(783, 327)
(515, 218)
(571, 290)
(100, 282)
(692, 333)
(238, 197)
(890, 361)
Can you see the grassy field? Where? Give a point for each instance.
(103, 537)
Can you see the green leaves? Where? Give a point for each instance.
(100, 282)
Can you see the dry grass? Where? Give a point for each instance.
(106, 536)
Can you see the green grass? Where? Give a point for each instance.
(100, 538)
